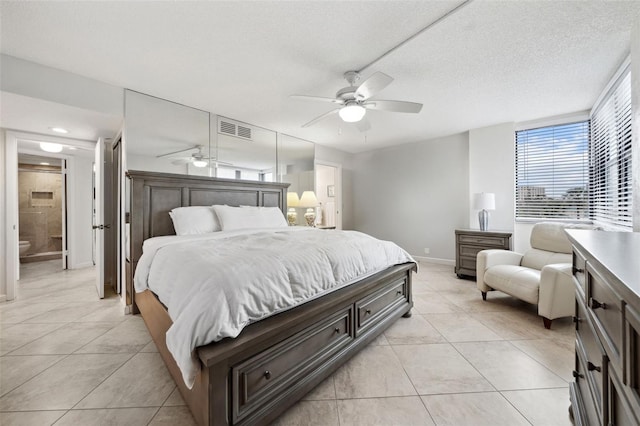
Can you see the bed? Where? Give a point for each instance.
(272, 363)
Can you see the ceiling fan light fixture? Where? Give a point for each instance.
(352, 113)
(199, 163)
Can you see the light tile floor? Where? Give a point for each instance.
(68, 358)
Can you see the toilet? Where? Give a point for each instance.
(24, 247)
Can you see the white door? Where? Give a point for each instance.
(98, 215)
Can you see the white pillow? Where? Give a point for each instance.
(247, 217)
(194, 220)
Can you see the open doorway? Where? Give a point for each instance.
(42, 213)
(328, 182)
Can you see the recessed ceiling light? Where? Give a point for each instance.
(44, 164)
(59, 130)
(50, 147)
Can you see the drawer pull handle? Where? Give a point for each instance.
(577, 375)
(267, 374)
(337, 330)
(591, 367)
(367, 312)
(399, 292)
(594, 304)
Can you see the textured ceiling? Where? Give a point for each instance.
(489, 63)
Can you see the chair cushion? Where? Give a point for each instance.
(537, 259)
(517, 281)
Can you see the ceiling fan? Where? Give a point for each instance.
(198, 159)
(355, 100)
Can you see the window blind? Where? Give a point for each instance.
(610, 189)
(552, 172)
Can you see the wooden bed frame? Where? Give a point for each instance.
(255, 377)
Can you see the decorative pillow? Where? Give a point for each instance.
(247, 217)
(194, 220)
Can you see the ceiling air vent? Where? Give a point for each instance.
(228, 128)
(237, 130)
(244, 132)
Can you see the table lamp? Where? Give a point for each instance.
(292, 202)
(309, 201)
(484, 201)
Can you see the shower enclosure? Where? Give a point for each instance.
(41, 203)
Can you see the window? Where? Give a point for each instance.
(610, 194)
(552, 172)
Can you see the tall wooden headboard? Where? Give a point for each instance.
(153, 195)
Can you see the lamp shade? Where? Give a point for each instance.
(484, 201)
(292, 199)
(308, 199)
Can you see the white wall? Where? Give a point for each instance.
(492, 169)
(80, 235)
(51, 84)
(3, 220)
(415, 195)
(635, 101)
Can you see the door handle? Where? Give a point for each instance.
(101, 227)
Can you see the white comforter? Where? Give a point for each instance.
(215, 284)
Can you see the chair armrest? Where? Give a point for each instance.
(489, 258)
(557, 292)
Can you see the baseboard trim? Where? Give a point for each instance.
(435, 260)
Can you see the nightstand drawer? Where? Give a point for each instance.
(484, 241)
(470, 241)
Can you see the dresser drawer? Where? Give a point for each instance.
(484, 241)
(256, 380)
(371, 309)
(622, 411)
(591, 351)
(632, 354)
(606, 307)
(591, 403)
(579, 268)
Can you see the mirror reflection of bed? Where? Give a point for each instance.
(282, 354)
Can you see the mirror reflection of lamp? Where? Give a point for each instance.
(309, 201)
(292, 202)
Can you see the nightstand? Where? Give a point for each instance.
(470, 241)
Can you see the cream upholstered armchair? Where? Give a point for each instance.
(540, 276)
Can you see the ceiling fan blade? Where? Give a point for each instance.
(180, 161)
(363, 125)
(317, 98)
(372, 85)
(168, 154)
(395, 106)
(322, 117)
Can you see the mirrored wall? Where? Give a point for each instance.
(164, 136)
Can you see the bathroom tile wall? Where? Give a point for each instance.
(40, 217)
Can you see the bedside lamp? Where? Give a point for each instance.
(292, 203)
(484, 201)
(309, 201)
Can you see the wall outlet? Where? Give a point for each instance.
(426, 251)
